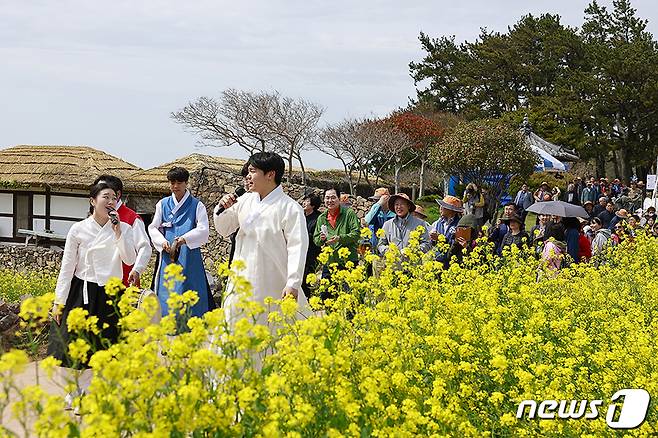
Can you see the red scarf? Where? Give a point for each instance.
(333, 219)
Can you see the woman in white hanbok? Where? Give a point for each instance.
(94, 250)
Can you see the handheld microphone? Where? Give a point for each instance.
(112, 213)
(239, 191)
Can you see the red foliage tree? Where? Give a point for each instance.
(424, 131)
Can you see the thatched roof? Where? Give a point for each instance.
(73, 167)
(155, 179)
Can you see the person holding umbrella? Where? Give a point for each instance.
(558, 208)
(572, 237)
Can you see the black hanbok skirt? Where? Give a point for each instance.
(98, 306)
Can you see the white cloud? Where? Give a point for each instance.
(108, 74)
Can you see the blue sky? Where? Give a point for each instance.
(107, 74)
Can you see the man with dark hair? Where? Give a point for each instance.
(131, 274)
(179, 174)
(178, 230)
(268, 162)
(607, 214)
(311, 204)
(272, 239)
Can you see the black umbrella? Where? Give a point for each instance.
(558, 208)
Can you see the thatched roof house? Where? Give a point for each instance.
(71, 167)
(45, 189)
(155, 179)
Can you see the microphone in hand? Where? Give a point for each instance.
(114, 216)
(239, 191)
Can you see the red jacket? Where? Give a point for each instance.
(584, 248)
(128, 216)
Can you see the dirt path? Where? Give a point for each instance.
(54, 386)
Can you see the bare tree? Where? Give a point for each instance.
(294, 128)
(256, 122)
(237, 118)
(343, 141)
(369, 147)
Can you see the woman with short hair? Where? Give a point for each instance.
(94, 250)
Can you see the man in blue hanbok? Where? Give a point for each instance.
(178, 230)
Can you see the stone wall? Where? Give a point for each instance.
(209, 186)
(21, 258)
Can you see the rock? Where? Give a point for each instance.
(8, 317)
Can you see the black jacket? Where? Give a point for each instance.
(313, 250)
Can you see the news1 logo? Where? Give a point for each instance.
(628, 415)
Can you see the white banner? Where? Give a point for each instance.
(651, 182)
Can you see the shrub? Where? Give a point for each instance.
(429, 198)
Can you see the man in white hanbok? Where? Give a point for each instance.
(272, 239)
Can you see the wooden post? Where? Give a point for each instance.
(47, 226)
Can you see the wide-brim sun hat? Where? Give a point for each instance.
(392, 199)
(381, 191)
(420, 212)
(451, 203)
(513, 218)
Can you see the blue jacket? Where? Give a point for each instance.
(572, 235)
(523, 200)
(375, 219)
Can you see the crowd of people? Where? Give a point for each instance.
(621, 210)
(614, 211)
(280, 241)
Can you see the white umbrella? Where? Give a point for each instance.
(558, 208)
